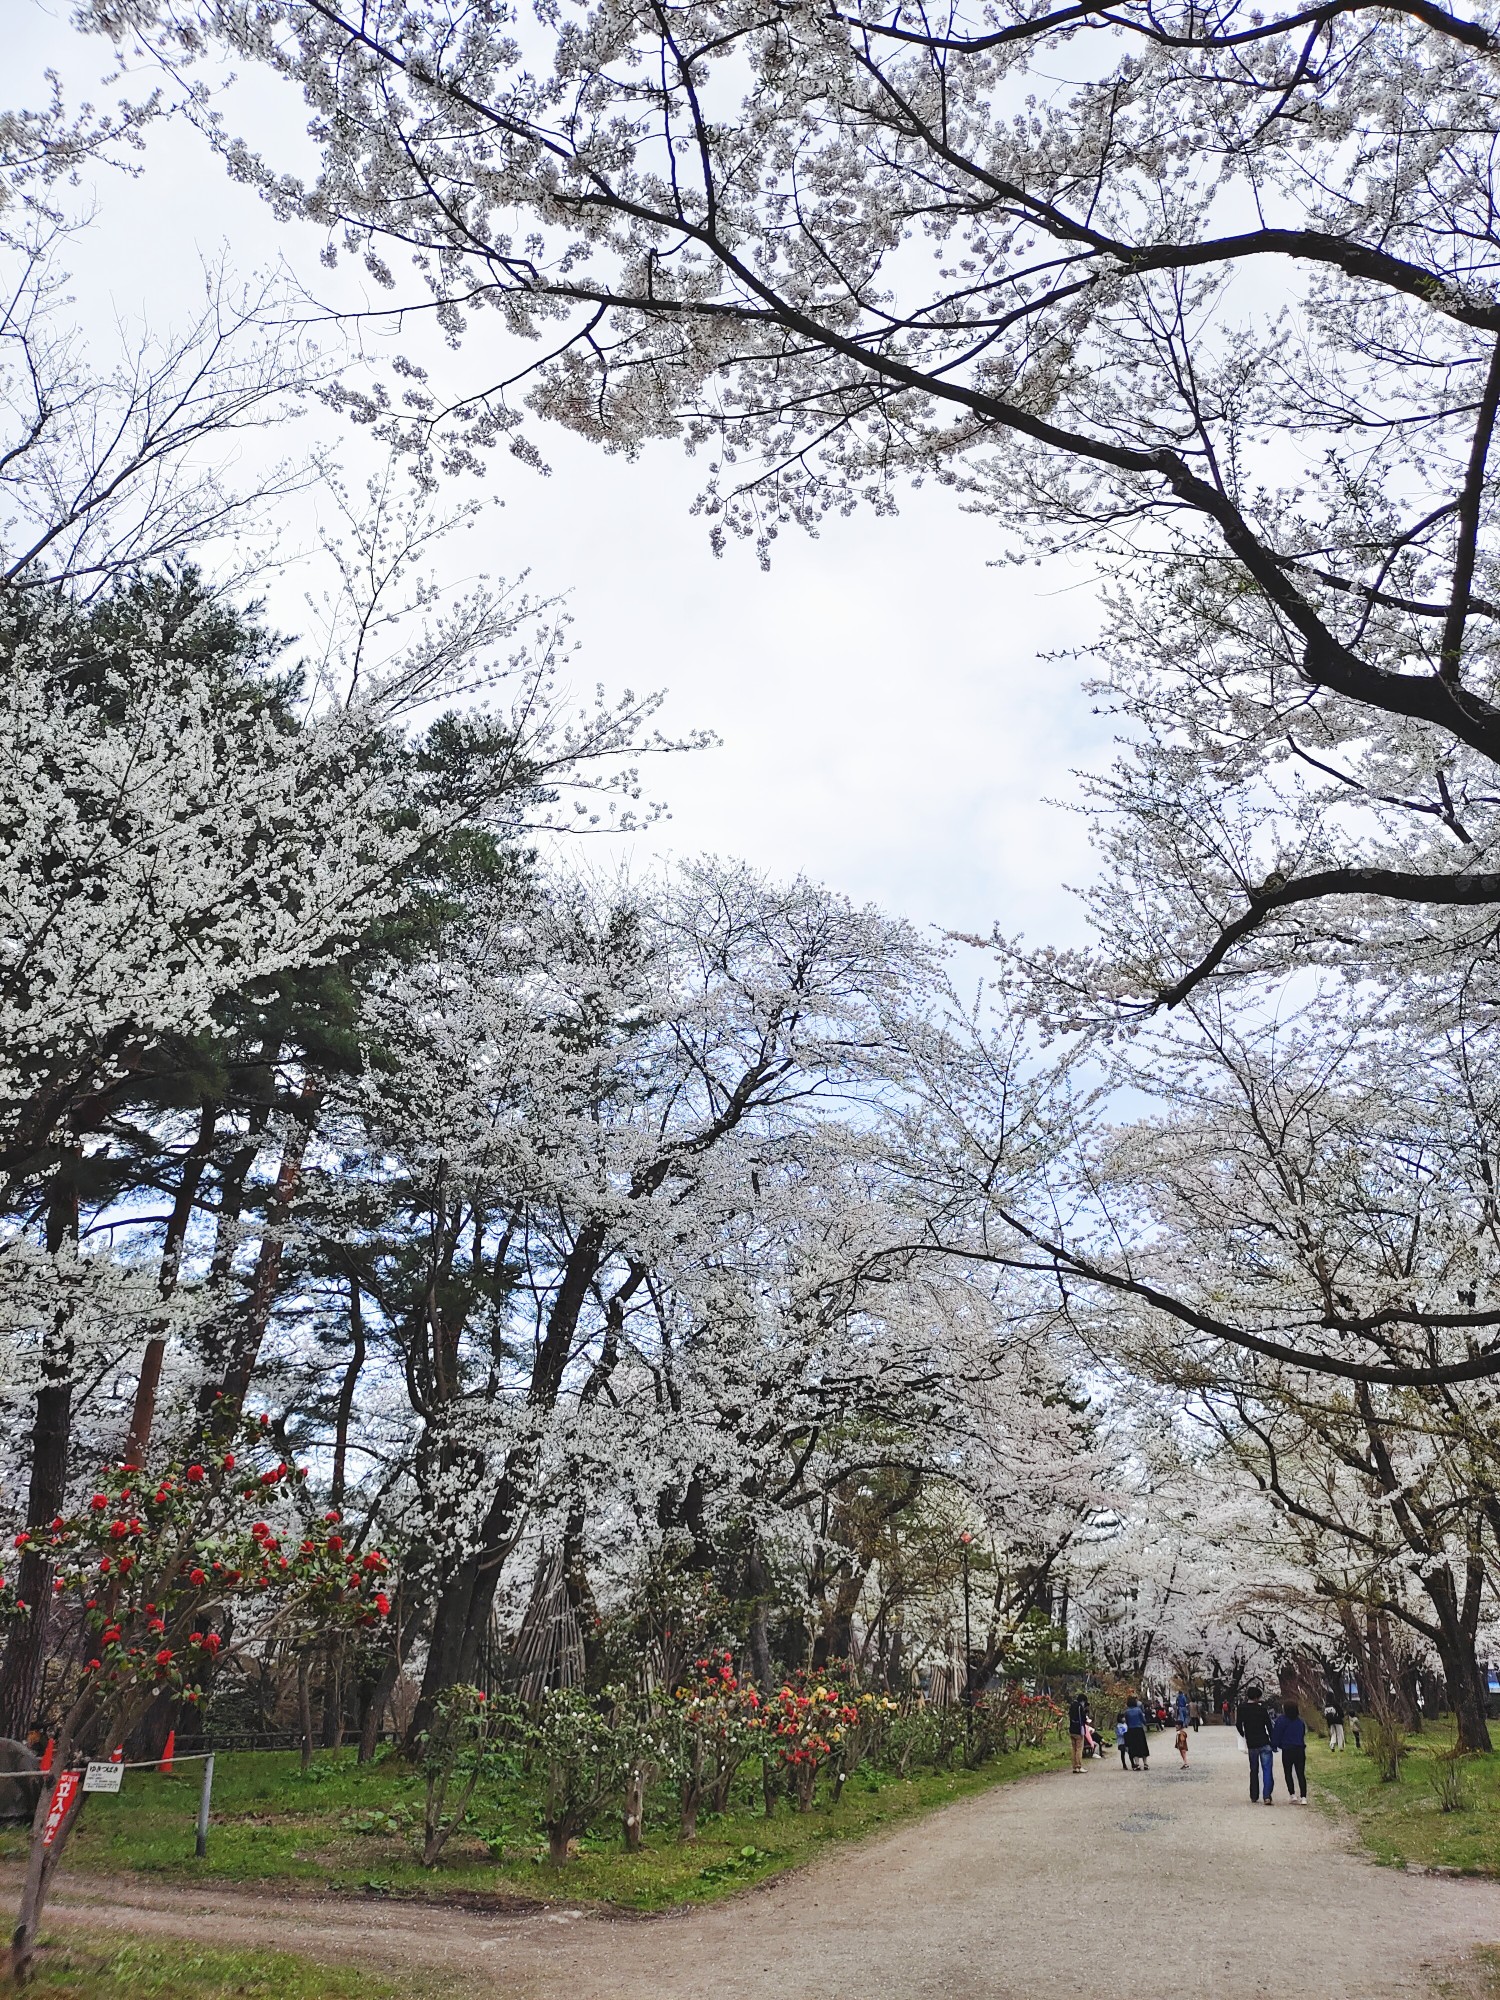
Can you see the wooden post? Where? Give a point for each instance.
(204, 1798)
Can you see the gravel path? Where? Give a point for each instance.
(1163, 1885)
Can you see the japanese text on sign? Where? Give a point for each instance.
(57, 1812)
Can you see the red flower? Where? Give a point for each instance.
(335, 1542)
(22, 1540)
(211, 1642)
(194, 1474)
(104, 1567)
(118, 1531)
(156, 1625)
(197, 1576)
(229, 1461)
(99, 1503)
(383, 1606)
(164, 1657)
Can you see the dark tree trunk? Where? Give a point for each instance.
(1456, 1632)
(25, 1649)
(304, 1704)
(333, 1694)
(143, 1414)
(757, 1587)
(265, 1286)
(346, 1392)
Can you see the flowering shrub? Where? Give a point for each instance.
(471, 1737)
(579, 1759)
(864, 1736)
(148, 1562)
(809, 1719)
(717, 1722)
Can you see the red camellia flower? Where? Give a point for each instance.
(333, 1517)
(197, 1576)
(211, 1642)
(383, 1606)
(22, 1540)
(111, 1632)
(104, 1567)
(99, 1503)
(118, 1531)
(164, 1657)
(335, 1542)
(156, 1625)
(194, 1474)
(229, 1461)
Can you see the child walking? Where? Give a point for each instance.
(1120, 1734)
(1182, 1743)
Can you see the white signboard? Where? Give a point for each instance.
(103, 1777)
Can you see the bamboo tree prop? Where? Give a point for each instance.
(149, 1563)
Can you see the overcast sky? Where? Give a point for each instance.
(889, 724)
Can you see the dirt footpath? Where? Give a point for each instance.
(1165, 1885)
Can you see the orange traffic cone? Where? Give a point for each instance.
(166, 1755)
(46, 1763)
(117, 1755)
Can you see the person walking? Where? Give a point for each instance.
(1121, 1732)
(1289, 1736)
(1078, 1722)
(1254, 1725)
(1182, 1708)
(1333, 1715)
(1195, 1715)
(1137, 1743)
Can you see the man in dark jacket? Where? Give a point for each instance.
(1254, 1725)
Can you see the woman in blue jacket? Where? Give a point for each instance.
(1137, 1744)
(1289, 1736)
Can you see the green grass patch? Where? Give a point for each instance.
(87, 1966)
(350, 1828)
(1403, 1824)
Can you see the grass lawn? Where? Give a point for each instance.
(86, 1966)
(1402, 1822)
(350, 1828)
